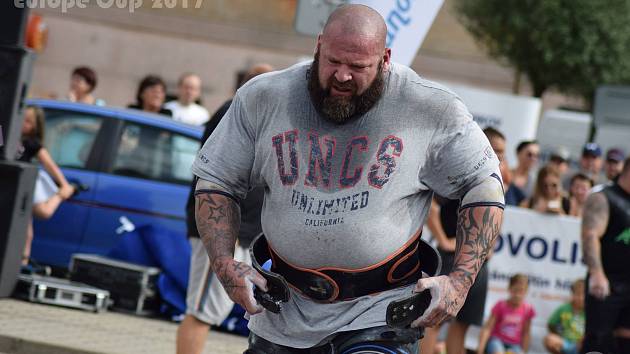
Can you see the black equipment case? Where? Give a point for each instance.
(133, 287)
(62, 292)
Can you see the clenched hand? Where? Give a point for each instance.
(238, 280)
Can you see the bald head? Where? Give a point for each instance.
(189, 88)
(347, 74)
(357, 21)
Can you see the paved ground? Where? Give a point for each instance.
(45, 329)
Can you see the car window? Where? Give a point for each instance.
(69, 136)
(152, 153)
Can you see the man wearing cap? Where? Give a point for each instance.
(559, 159)
(613, 164)
(591, 161)
(590, 165)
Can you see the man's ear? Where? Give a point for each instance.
(387, 59)
(318, 44)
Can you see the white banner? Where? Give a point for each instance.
(514, 116)
(547, 249)
(408, 22)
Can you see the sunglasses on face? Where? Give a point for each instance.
(531, 154)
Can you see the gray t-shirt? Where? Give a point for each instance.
(344, 196)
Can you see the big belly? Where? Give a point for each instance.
(348, 246)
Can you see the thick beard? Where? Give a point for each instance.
(341, 110)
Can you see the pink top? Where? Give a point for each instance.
(510, 321)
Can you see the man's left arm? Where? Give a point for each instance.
(461, 164)
(478, 225)
(477, 230)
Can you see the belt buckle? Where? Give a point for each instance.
(321, 288)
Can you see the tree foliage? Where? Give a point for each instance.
(570, 45)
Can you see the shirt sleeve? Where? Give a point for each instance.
(496, 310)
(227, 156)
(554, 320)
(214, 121)
(459, 155)
(532, 313)
(33, 145)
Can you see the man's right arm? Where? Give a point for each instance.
(594, 223)
(218, 220)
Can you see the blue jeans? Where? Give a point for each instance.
(569, 347)
(495, 345)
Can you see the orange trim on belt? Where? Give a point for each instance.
(370, 267)
(397, 252)
(390, 274)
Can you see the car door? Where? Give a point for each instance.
(146, 182)
(69, 138)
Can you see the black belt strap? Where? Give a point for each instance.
(328, 284)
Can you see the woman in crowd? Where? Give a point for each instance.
(150, 96)
(548, 196)
(49, 193)
(82, 83)
(579, 190)
(522, 177)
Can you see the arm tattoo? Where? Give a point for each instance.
(477, 229)
(594, 223)
(218, 220)
(230, 283)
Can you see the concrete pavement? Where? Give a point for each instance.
(46, 329)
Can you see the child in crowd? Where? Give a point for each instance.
(508, 327)
(49, 192)
(566, 324)
(581, 186)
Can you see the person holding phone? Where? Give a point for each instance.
(548, 194)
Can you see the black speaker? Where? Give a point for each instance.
(13, 21)
(15, 74)
(17, 181)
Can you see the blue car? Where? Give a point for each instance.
(135, 168)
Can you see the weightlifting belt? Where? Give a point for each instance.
(329, 284)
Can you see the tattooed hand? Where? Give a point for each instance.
(477, 229)
(218, 220)
(238, 280)
(447, 298)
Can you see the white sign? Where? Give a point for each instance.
(569, 129)
(613, 135)
(612, 105)
(514, 116)
(408, 22)
(311, 15)
(547, 249)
